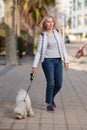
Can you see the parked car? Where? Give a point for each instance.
(67, 40)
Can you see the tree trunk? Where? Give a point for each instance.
(17, 20)
(11, 57)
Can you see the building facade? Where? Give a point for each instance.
(79, 17)
(61, 11)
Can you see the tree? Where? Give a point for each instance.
(11, 57)
(33, 12)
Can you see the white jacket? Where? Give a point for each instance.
(42, 47)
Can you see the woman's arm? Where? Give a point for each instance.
(38, 54)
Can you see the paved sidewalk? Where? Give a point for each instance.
(71, 110)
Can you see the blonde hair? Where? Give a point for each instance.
(42, 24)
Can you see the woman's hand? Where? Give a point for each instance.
(66, 66)
(34, 70)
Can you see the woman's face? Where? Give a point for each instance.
(49, 24)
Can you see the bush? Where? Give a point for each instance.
(22, 46)
(2, 43)
(24, 34)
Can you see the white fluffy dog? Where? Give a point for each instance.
(23, 105)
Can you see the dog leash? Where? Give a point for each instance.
(31, 79)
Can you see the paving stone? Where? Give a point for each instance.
(71, 110)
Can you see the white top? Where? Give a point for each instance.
(42, 47)
(52, 47)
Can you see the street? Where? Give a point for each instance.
(71, 110)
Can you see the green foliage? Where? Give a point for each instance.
(24, 34)
(22, 46)
(35, 47)
(24, 4)
(2, 43)
(48, 2)
(35, 14)
(2, 32)
(36, 1)
(43, 11)
(34, 9)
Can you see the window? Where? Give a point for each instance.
(79, 4)
(85, 4)
(79, 21)
(74, 1)
(74, 21)
(85, 20)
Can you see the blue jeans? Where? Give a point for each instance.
(52, 68)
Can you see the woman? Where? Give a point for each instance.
(51, 50)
